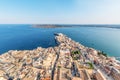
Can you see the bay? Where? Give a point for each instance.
(26, 37)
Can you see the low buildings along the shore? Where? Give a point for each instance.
(68, 61)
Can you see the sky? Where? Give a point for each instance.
(59, 11)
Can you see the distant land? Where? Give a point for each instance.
(70, 25)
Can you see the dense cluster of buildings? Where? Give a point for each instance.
(27, 65)
(68, 61)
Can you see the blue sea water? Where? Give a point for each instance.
(22, 37)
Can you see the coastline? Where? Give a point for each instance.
(48, 63)
(58, 45)
(72, 25)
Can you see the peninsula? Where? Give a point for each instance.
(69, 60)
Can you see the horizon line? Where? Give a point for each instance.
(51, 24)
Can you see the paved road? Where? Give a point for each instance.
(53, 71)
(105, 75)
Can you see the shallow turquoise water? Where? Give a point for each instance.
(22, 37)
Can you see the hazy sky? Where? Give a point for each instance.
(60, 11)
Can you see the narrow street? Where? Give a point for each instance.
(54, 67)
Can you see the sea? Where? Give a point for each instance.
(27, 37)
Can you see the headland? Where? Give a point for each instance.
(69, 60)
